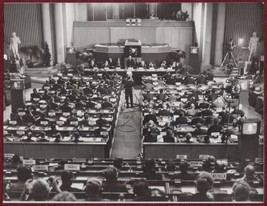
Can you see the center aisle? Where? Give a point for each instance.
(127, 138)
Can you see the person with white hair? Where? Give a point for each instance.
(14, 46)
(128, 85)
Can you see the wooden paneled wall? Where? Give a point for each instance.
(25, 20)
(177, 36)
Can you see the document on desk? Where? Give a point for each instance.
(78, 185)
(161, 188)
(188, 189)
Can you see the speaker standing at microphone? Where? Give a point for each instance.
(129, 83)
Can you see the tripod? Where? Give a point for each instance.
(229, 55)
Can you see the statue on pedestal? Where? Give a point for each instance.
(14, 44)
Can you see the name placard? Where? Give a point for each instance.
(73, 167)
(177, 181)
(182, 157)
(75, 123)
(8, 155)
(44, 122)
(196, 163)
(13, 122)
(29, 162)
(104, 133)
(219, 176)
(203, 157)
(40, 167)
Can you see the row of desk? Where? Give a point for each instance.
(137, 73)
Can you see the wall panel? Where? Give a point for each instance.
(25, 20)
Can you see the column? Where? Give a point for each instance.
(69, 19)
(208, 10)
(220, 34)
(116, 11)
(152, 8)
(59, 33)
(47, 29)
(80, 11)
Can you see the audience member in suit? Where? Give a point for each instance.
(53, 105)
(169, 137)
(76, 91)
(148, 86)
(161, 96)
(249, 174)
(149, 170)
(204, 183)
(202, 79)
(151, 132)
(184, 173)
(238, 111)
(60, 81)
(76, 137)
(188, 138)
(67, 180)
(28, 136)
(80, 104)
(148, 96)
(216, 127)
(164, 111)
(28, 117)
(93, 190)
(65, 107)
(106, 104)
(71, 120)
(163, 64)
(101, 121)
(85, 121)
(130, 62)
(72, 97)
(181, 119)
(141, 190)
(151, 116)
(198, 130)
(213, 96)
(92, 64)
(42, 119)
(90, 104)
(241, 191)
(87, 90)
(111, 63)
(189, 80)
(143, 65)
(35, 95)
(118, 163)
(170, 81)
(46, 96)
(111, 184)
(23, 174)
(42, 138)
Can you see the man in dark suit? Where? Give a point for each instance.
(129, 84)
(28, 117)
(90, 104)
(181, 119)
(164, 111)
(161, 96)
(130, 62)
(216, 127)
(151, 116)
(67, 179)
(106, 104)
(111, 184)
(65, 107)
(169, 137)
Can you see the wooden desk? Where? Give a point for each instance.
(193, 150)
(58, 150)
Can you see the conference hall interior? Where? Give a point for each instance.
(133, 102)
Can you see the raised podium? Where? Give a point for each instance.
(18, 97)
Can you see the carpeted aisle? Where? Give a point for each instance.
(127, 140)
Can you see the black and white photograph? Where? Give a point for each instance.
(139, 102)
